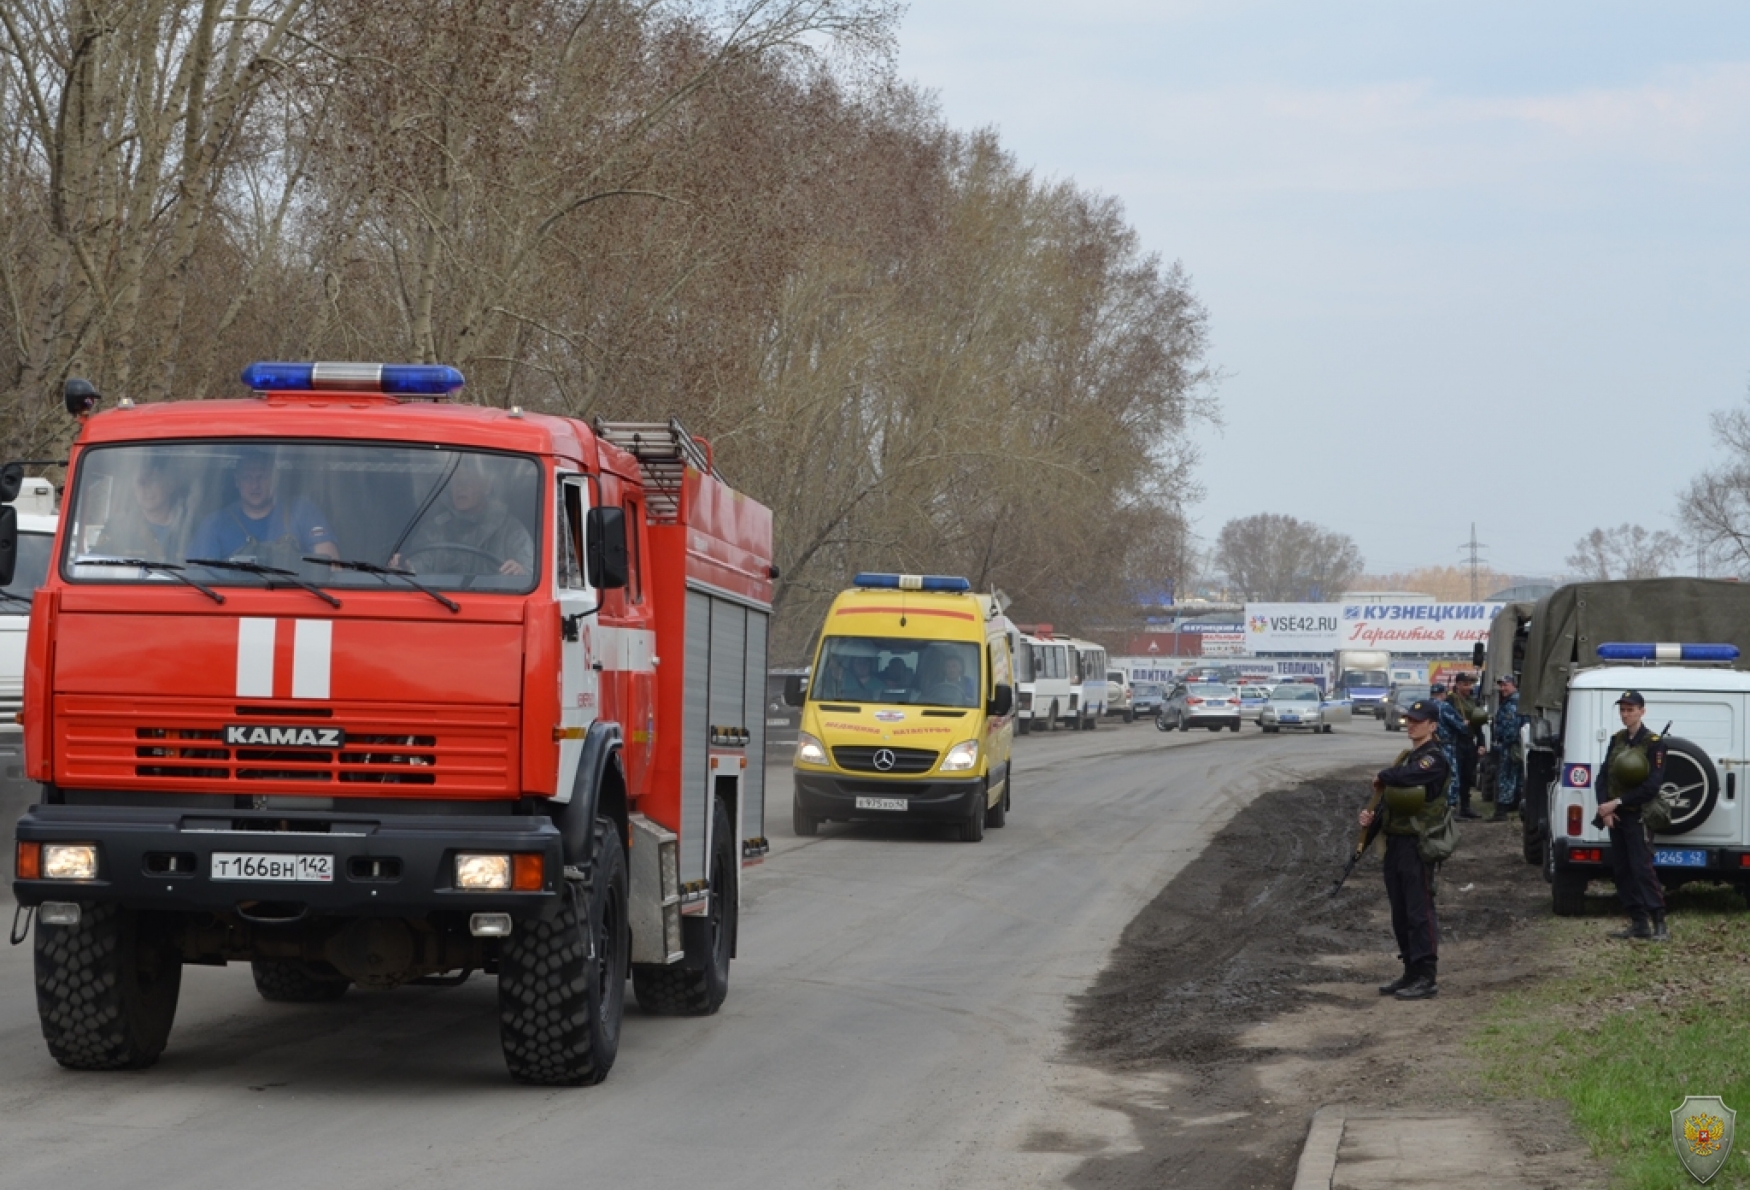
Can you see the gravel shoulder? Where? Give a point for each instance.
(1243, 998)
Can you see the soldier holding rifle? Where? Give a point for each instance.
(1412, 797)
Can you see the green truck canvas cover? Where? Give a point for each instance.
(1568, 625)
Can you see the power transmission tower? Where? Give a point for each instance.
(1476, 558)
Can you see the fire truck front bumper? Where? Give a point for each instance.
(333, 864)
(843, 798)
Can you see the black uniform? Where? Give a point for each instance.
(1631, 848)
(1409, 883)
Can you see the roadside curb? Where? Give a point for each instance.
(1318, 1157)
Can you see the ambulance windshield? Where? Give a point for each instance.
(897, 670)
(459, 520)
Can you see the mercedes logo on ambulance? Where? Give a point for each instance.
(885, 759)
(266, 735)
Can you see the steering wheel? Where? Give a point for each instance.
(947, 694)
(432, 547)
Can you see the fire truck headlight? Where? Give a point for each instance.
(809, 750)
(69, 861)
(482, 872)
(960, 757)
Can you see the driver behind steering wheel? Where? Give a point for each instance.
(470, 516)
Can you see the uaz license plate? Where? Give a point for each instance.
(283, 869)
(1679, 857)
(880, 803)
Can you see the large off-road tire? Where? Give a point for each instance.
(286, 981)
(998, 815)
(106, 988)
(562, 981)
(1568, 893)
(801, 821)
(677, 991)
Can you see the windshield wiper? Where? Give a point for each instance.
(268, 572)
(169, 568)
(14, 595)
(405, 576)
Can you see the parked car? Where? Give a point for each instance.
(1146, 698)
(1253, 696)
(1402, 697)
(1200, 704)
(1118, 695)
(1297, 706)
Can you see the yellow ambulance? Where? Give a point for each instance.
(908, 712)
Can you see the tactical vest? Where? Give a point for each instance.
(1608, 785)
(1407, 808)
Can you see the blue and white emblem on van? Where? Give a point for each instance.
(889, 716)
(1577, 776)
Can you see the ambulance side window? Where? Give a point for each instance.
(635, 552)
(571, 535)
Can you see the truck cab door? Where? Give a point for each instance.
(579, 681)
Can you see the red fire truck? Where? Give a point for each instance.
(362, 685)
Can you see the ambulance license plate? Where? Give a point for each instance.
(273, 868)
(881, 803)
(1679, 857)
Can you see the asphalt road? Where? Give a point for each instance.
(894, 1020)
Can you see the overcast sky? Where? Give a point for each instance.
(1508, 238)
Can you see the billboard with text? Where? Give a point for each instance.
(1393, 627)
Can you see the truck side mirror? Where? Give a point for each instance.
(1002, 699)
(793, 690)
(8, 544)
(608, 568)
(11, 482)
(1476, 654)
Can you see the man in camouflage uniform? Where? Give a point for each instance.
(1450, 729)
(1509, 752)
(1467, 747)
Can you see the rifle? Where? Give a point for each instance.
(1368, 834)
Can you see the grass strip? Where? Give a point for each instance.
(1628, 1029)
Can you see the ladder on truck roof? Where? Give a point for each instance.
(664, 451)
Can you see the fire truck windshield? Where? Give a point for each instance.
(460, 520)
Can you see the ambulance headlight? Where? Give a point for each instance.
(960, 757)
(69, 861)
(809, 749)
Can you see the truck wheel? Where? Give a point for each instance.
(804, 823)
(998, 815)
(562, 981)
(1568, 894)
(1530, 836)
(1130, 715)
(288, 982)
(677, 991)
(1023, 726)
(1691, 777)
(106, 988)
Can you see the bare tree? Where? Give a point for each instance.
(1716, 507)
(1274, 557)
(1627, 551)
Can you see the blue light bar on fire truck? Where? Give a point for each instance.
(912, 582)
(399, 380)
(1625, 651)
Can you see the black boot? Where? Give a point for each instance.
(1661, 933)
(1638, 930)
(1500, 814)
(1402, 981)
(1422, 987)
(1464, 810)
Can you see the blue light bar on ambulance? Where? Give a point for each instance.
(1622, 651)
(913, 582)
(398, 380)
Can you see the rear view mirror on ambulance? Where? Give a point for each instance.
(908, 713)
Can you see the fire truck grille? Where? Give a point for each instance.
(900, 761)
(467, 752)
